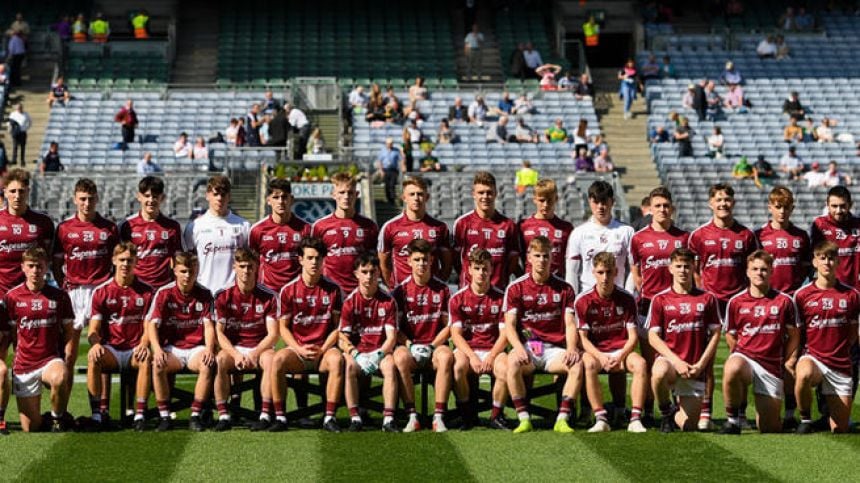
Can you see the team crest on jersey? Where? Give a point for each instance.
(299, 300)
(436, 298)
(494, 309)
(700, 307)
(843, 304)
(855, 232)
(431, 233)
(556, 298)
(259, 308)
(198, 306)
(619, 310)
(558, 233)
(164, 235)
(139, 301)
(359, 232)
(103, 236)
(739, 244)
(297, 237)
(795, 243)
(325, 300)
(380, 312)
(774, 310)
(677, 243)
(500, 234)
(32, 228)
(237, 230)
(52, 304)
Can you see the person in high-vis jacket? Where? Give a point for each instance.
(99, 29)
(79, 29)
(140, 23)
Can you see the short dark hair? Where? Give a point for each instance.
(219, 183)
(366, 258)
(186, 259)
(125, 246)
(717, 187)
(153, 184)
(839, 192)
(313, 243)
(86, 185)
(662, 192)
(281, 184)
(246, 255)
(419, 245)
(601, 191)
(682, 253)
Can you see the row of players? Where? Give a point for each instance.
(84, 240)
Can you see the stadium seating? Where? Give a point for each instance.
(119, 64)
(517, 24)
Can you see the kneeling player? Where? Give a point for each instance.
(183, 337)
(247, 329)
(117, 337)
(543, 304)
(684, 329)
(423, 303)
(761, 327)
(368, 323)
(42, 317)
(827, 314)
(476, 329)
(310, 311)
(606, 317)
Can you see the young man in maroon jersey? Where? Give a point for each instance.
(368, 327)
(424, 333)
(827, 313)
(276, 237)
(484, 227)
(477, 331)
(545, 223)
(346, 233)
(650, 249)
(761, 330)
(541, 327)
(156, 236)
(721, 247)
(413, 223)
(20, 228)
(42, 319)
(182, 336)
(117, 334)
(247, 329)
(606, 318)
(83, 250)
(684, 329)
(310, 312)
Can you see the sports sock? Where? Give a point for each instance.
(600, 414)
(2, 413)
(353, 413)
(732, 415)
(222, 409)
(140, 406)
(163, 409)
(104, 405)
(330, 408)
(387, 415)
(742, 410)
(666, 409)
(266, 407)
(706, 408)
(280, 409)
(196, 407)
(521, 407)
(635, 413)
(805, 416)
(497, 410)
(409, 407)
(564, 409)
(94, 404)
(790, 404)
(440, 408)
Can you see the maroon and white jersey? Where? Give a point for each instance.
(396, 234)
(558, 232)
(791, 255)
(684, 321)
(157, 242)
(828, 317)
(278, 246)
(761, 326)
(650, 250)
(181, 318)
(541, 308)
(87, 249)
(423, 310)
(722, 257)
(366, 320)
(847, 237)
(346, 239)
(17, 234)
(245, 316)
(497, 235)
(39, 319)
(481, 317)
(310, 311)
(606, 320)
(121, 311)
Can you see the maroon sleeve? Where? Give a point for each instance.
(730, 324)
(713, 318)
(254, 239)
(65, 313)
(5, 315)
(579, 307)
(512, 240)
(654, 321)
(346, 316)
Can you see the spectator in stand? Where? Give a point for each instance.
(525, 177)
(301, 126)
(390, 96)
(412, 113)
(598, 146)
(533, 59)
(253, 123)
(269, 104)
(99, 29)
(51, 161)
(735, 101)
(16, 51)
(498, 132)
(834, 177)
(567, 82)
(603, 162)
(793, 107)
(782, 49)
(824, 132)
(787, 20)
(241, 134)
(505, 105)
(688, 100)
(415, 134)
(731, 75)
(375, 114)
(581, 135)
(79, 29)
(279, 129)
(556, 133)
(523, 105)
(59, 93)
(803, 20)
(659, 135)
(584, 90)
(716, 143)
(406, 156)
(429, 163)
(582, 161)
(389, 161)
(19, 124)
(667, 68)
(315, 142)
(814, 177)
(792, 132)
(627, 75)
(418, 91)
(700, 100)
(200, 151)
(264, 129)
(524, 133)
(446, 134)
(766, 49)
(791, 164)
(763, 170)
(714, 108)
(19, 25)
(181, 148)
(472, 48)
(547, 74)
(650, 69)
(147, 166)
(478, 111)
(127, 119)
(518, 62)
(232, 132)
(742, 169)
(458, 112)
(809, 134)
(358, 99)
(683, 138)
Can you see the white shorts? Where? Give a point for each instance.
(834, 383)
(686, 387)
(184, 355)
(123, 358)
(764, 383)
(417, 351)
(550, 353)
(30, 384)
(82, 303)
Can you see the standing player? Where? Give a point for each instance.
(215, 236)
(182, 336)
(827, 313)
(345, 233)
(606, 320)
(83, 251)
(721, 247)
(368, 323)
(117, 334)
(684, 329)
(423, 303)
(413, 223)
(156, 236)
(841, 227)
(477, 325)
(20, 228)
(539, 313)
(486, 228)
(761, 330)
(247, 330)
(310, 312)
(546, 224)
(42, 318)
(276, 237)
